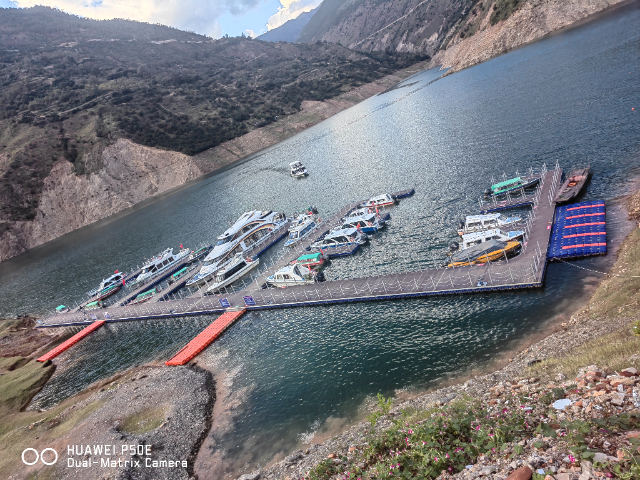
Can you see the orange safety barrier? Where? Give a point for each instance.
(586, 206)
(584, 234)
(72, 341)
(585, 224)
(208, 335)
(585, 245)
(585, 215)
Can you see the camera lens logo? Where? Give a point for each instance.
(38, 456)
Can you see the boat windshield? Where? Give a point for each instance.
(223, 241)
(293, 235)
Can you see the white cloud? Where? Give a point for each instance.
(289, 10)
(250, 33)
(200, 16)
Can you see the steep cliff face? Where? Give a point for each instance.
(130, 174)
(532, 21)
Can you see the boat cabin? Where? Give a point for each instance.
(231, 269)
(380, 201)
(364, 222)
(93, 305)
(291, 275)
(302, 230)
(311, 260)
(339, 238)
(474, 223)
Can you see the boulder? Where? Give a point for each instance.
(523, 473)
(629, 372)
(251, 476)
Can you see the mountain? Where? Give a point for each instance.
(290, 30)
(72, 90)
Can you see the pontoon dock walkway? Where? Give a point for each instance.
(72, 341)
(524, 271)
(208, 335)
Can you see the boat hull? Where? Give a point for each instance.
(241, 273)
(573, 185)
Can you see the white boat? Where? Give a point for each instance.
(115, 279)
(379, 201)
(367, 223)
(297, 169)
(231, 272)
(341, 238)
(477, 223)
(292, 275)
(476, 238)
(160, 264)
(301, 230)
(250, 230)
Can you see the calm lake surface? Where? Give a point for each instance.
(301, 371)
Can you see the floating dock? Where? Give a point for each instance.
(580, 230)
(72, 341)
(204, 339)
(527, 270)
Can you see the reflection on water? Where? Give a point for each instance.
(302, 371)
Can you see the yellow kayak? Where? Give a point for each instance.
(484, 252)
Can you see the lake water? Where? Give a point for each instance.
(294, 372)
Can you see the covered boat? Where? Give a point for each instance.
(511, 185)
(62, 309)
(485, 252)
(97, 305)
(292, 275)
(107, 292)
(341, 238)
(233, 271)
(298, 169)
(301, 230)
(573, 185)
(367, 223)
(198, 254)
(379, 201)
(178, 275)
(117, 278)
(314, 261)
(145, 296)
(477, 223)
(476, 238)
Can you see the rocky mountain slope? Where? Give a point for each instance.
(289, 31)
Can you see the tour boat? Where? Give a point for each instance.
(178, 275)
(198, 254)
(292, 275)
(160, 264)
(303, 229)
(235, 269)
(115, 279)
(315, 261)
(367, 223)
(341, 238)
(477, 223)
(97, 305)
(250, 230)
(145, 296)
(573, 185)
(379, 201)
(107, 292)
(476, 238)
(484, 252)
(297, 169)
(62, 309)
(511, 185)
(301, 217)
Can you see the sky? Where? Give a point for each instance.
(214, 18)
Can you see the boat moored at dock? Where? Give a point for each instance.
(341, 238)
(381, 200)
(178, 275)
(233, 271)
(145, 296)
(160, 264)
(476, 238)
(62, 309)
(97, 305)
(301, 230)
(485, 252)
(107, 292)
(573, 185)
(198, 254)
(117, 278)
(315, 261)
(511, 185)
(478, 223)
(367, 223)
(293, 275)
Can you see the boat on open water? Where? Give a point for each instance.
(249, 231)
(298, 169)
(573, 185)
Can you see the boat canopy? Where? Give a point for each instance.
(312, 257)
(147, 293)
(59, 308)
(506, 183)
(180, 272)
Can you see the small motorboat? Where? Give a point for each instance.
(573, 185)
(97, 305)
(292, 275)
(235, 269)
(341, 238)
(145, 296)
(367, 223)
(178, 275)
(198, 254)
(107, 292)
(301, 230)
(314, 261)
(476, 238)
(62, 309)
(115, 279)
(511, 185)
(478, 223)
(160, 264)
(484, 252)
(381, 200)
(298, 169)
(300, 217)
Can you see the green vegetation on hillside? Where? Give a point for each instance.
(70, 86)
(503, 9)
